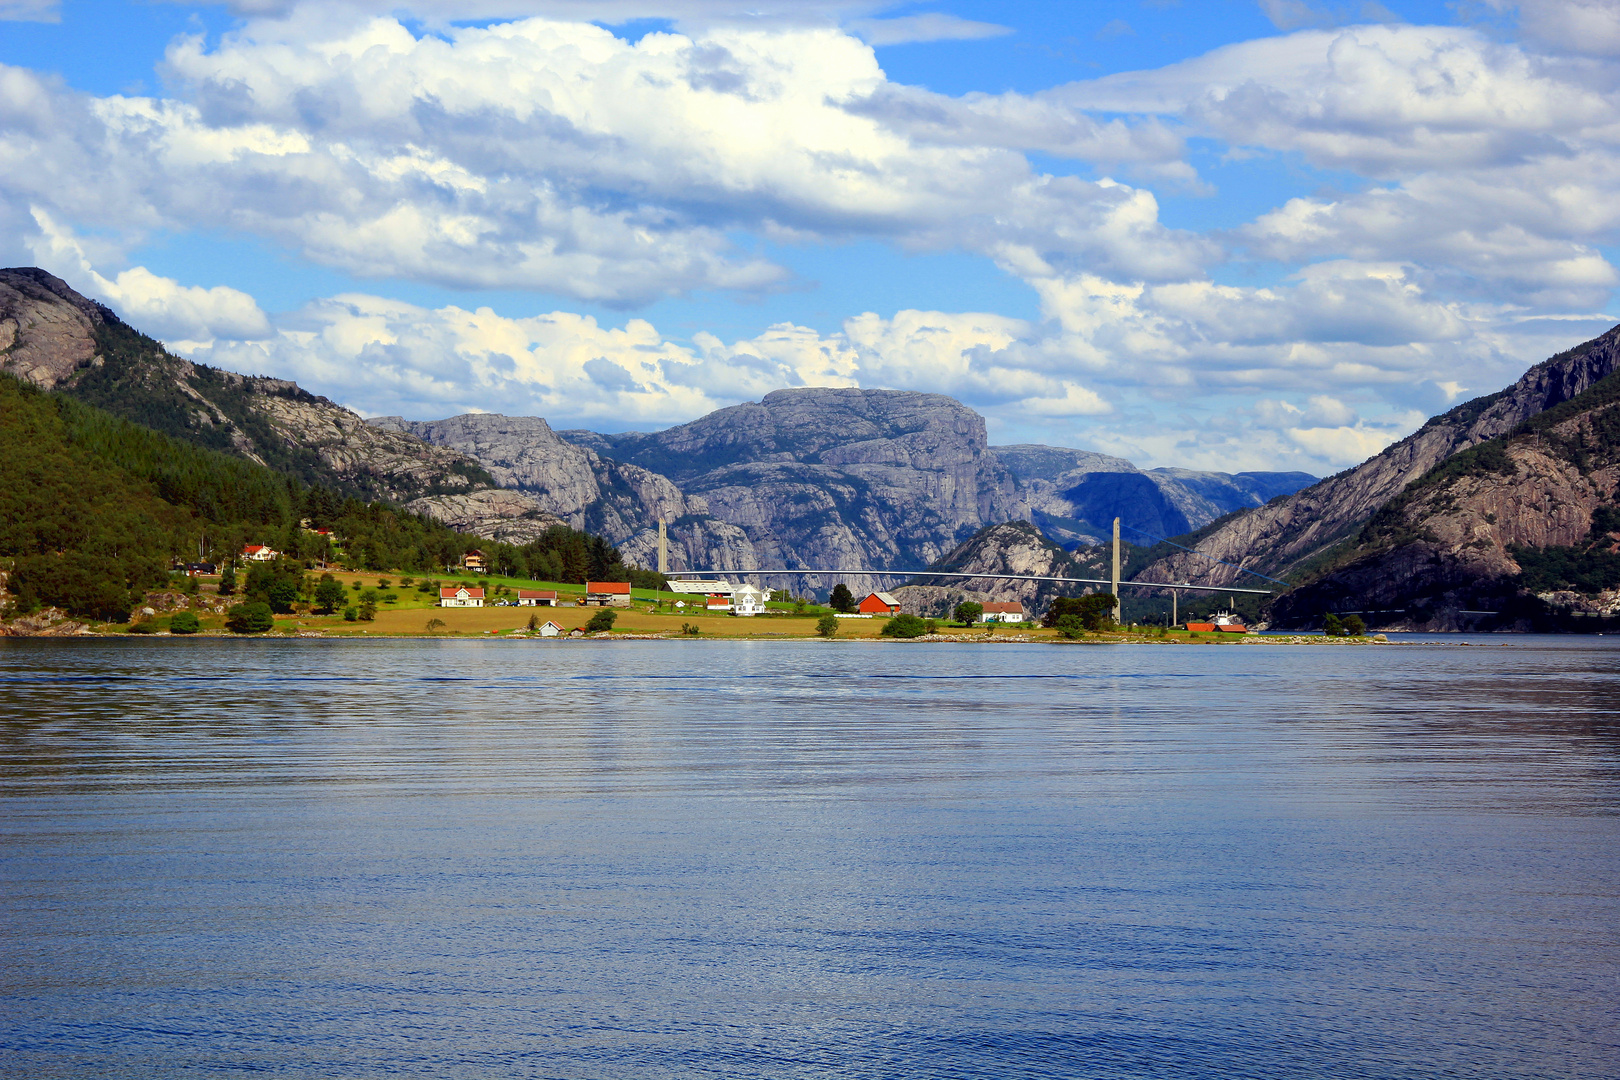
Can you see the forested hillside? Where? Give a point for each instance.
(95, 508)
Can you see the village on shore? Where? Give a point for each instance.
(470, 601)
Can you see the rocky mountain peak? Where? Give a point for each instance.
(47, 330)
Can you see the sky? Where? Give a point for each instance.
(1230, 234)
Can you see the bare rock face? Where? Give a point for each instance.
(520, 452)
(509, 517)
(1444, 549)
(1281, 535)
(1013, 547)
(837, 478)
(47, 331)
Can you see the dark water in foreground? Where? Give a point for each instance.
(706, 859)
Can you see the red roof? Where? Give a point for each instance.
(450, 593)
(716, 600)
(1010, 608)
(618, 587)
(254, 549)
(537, 594)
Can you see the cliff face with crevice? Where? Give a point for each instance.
(1284, 535)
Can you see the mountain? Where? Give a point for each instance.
(1523, 526)
(1074, 495)
(1294, 535)
(622, 502)
(806, 477)
(59, 340)
(1012, 547)
(830, 477)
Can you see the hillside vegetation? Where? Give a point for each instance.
(94, 508)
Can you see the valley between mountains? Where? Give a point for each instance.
(1503, 504)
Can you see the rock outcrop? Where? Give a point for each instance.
(509, 517)
(1014, 547)
(1284, 535)
(1448, 552)
(59, 340)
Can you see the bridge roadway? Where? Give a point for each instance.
(997, 577)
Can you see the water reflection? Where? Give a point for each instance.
(817, 860)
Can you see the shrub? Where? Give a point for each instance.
(368, 611)
(1096, 611)
(144, 628)
(1332, 626)
(350, 614)
(251, 618)
(691, 629)
(1071, 626)
(184, 622)
(827, 626)
(601, 622)
(282, 594)
(435, 624)
(904, 626)
(1354, 627)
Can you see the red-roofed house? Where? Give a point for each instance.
(1011, 611)
(878, 603)
(537, 598)
(259, 553)
(607, 593)
(460, 596)
(717, 602)
(474, 561)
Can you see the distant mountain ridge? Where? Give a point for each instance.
(1286, 536)
(832, 477)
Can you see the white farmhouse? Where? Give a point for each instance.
(461, 596)
(1008, 612)
(747, 600)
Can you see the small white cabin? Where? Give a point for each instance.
(550, 629)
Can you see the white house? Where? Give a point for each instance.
(259, 553)
(461, 596)
(537, 598)
(1012, 611)
(747, 600)
(550, 629)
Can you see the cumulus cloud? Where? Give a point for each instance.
(555, 156)
(157, 305)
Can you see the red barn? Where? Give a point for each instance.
(607, 593)
(878, 603)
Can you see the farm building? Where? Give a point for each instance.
(460, 596)
(537, 598)
(717, 603)
(878, 603)
(550, 629)
(607, 593)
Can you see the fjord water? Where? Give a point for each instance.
(772, 859)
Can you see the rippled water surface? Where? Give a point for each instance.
(715, 859)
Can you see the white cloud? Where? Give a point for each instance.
(1585, 27)
(157, 305)
(30, 11)
(933, 26)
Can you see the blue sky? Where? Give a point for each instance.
(1233, 234)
